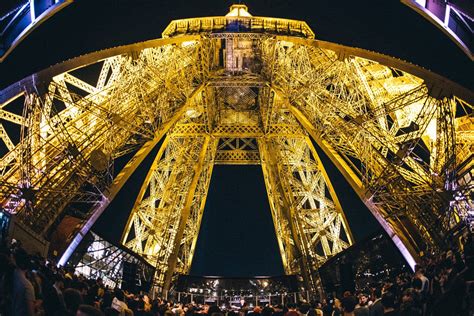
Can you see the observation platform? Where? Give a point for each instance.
(238, 20)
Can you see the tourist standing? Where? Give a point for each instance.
(23, 298)
(376, 309)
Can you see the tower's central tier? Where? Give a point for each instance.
(238, 20)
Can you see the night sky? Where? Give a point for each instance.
(237, 236)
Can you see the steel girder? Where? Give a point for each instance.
(392, 134)
(71, 133)
(308, 218)
(164, 223)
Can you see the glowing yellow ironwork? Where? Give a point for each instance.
(239, 90)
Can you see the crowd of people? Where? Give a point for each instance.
(442, 284)
(32, 286)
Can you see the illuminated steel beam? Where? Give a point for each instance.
(400, 240)
(73, 134)
(171, 199)
(346, 102)
(318, 226)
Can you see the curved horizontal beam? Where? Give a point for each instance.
(35, 19)
(44, 76)
(430, 78)
(442, 25)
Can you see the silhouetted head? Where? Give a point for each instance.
(349, 303)
(388, 300)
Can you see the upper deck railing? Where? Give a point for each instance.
(238, 24)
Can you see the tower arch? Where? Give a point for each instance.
(238, 89)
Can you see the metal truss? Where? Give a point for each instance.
(239, 90)
(250, 26)
(392, 134)
(307, 215)
(165, 220)
(236, 151)
(71, 132)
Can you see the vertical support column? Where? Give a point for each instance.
(402, 243)
(175, 187)
(301, 187)
(291, 250)
(185, 213)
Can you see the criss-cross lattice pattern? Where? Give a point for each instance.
(258, 94)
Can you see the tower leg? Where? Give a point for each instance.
(307, 215)
(166, 216)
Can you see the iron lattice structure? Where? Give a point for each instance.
(239, 89)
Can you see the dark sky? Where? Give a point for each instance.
(237, 235)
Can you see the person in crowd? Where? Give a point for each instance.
(278, 310)
(376, 308)
(72, 300)
(53, 296)
(388, 303)
(410, 303)
(316, 309)
(305, 309)
(327, 306)
(337, 308)
(118, 303)
(214, 310)
(109, 311)
(7, 269)
(59, 287)
(292, 311)
(469, 255)
(267, 311)
(362, 308)
(425, 283)
(244, 308)
(23, 295)
(87, 310)
(349, 303)
(30, 285)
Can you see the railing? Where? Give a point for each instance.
(453, 19)
(256, 299)
(238, 25)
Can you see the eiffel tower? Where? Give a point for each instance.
(238, 89)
